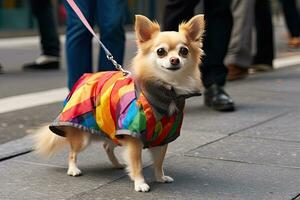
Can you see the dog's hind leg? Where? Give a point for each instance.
(78, 141)
(158, 155)
(133, 158)
(109, 148)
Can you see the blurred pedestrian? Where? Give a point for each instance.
(264, 56)
(239, 55)
(239, 59)
(109, 16)
(49, 58)
(292, 19)
(217, 35)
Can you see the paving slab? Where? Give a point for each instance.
(205, 179)
(281, 81)
(192, 139)
(252, 150)
(16, 147)
(33, 177)
(26, 180)
(280, 87)
(249, 113)
(283, 128)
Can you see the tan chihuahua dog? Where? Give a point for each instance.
(165, 72)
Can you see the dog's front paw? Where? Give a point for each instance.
(74, 171)
(165, 179)
(141, 187)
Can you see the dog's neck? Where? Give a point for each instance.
(161, 96)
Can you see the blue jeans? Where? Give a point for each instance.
(109, 16)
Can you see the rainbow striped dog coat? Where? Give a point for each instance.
(107, 104)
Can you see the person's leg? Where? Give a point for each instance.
(239, 49)
(292, 20)
(239, 57)
(291, 15)
(43, 11)
(79, 41)
(177, 11)
(264, 33)
(49, 58)
(215, 45)
(218, 30)
(110, 18)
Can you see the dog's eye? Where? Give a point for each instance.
(183, 51)
(161, 52)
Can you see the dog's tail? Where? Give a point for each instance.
(47, 143)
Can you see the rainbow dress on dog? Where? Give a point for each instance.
(108, 104)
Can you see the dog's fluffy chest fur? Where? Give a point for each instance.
(109, 104)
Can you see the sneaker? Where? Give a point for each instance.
(43, 62)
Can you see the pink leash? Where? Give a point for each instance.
(87, 25)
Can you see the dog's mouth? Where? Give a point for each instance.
(173, 68)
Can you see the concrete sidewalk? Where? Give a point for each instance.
(253, 153)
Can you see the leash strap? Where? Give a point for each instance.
(109, 56)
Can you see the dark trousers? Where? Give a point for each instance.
(217, 35)
(292, 17)
(264, 33)
(42, 10)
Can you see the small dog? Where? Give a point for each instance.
(144, 110)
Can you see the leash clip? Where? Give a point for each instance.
(117, 65)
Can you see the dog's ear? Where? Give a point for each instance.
(145, 29)
(194, 28)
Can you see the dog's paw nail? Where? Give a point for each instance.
(165, 179)
(74, 172)
(141, 187)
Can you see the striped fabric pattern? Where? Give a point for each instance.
(106, 103)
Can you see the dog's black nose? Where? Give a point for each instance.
(174, 61)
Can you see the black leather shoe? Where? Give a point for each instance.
(216, 98)
(53, 65)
